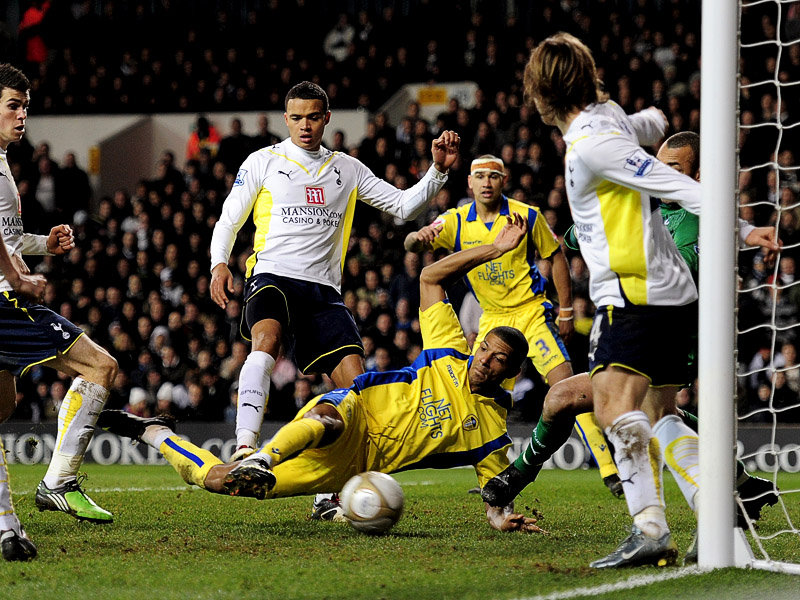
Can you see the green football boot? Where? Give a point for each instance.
(71, 499)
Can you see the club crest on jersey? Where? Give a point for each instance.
(240, 177)
(60, 328)
(639, 163)
(470, 423)
(315, 196)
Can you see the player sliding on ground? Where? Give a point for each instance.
(447, 409)
(574, 395)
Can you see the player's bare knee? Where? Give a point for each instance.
(103, 369)
(564, 400)
(109, 367)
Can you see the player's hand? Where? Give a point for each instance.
(519, 522)
(566, 328)
(506, 520)
(427, 234)
(31, 286)
(445, 150)
(60, 240)
(767, 239)
(20, 264)
(221, 280)
(512, 233)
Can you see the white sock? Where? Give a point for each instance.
(679, 443)
(155, 435)
(76, 419)
(8, 519)
(638, 460)
(652, 521)
(254, 379)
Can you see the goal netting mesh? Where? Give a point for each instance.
(768, 324)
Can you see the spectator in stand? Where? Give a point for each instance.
(263, 137)
(234, 147)
(32, 34)
(204, 137)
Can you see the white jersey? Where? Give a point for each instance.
(302, 204)
(16, 240)
(613, 187)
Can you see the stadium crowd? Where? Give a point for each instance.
(138, 279)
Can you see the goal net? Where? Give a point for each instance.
(768, 299)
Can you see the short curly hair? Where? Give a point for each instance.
(306, 90)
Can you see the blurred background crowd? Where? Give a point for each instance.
(138, 280)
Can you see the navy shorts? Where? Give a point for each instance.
(651, 340)
(31, 334)
(318, 328)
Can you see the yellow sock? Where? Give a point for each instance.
(292, 439)
(595, 439)
(191, 462)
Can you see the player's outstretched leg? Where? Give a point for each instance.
(195, 466)
(125, 424)
(253, 475)
(563, 401)
(594, 438)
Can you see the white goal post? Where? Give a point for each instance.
(717, 330)
(721, 544)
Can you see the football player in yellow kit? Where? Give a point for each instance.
(447, 409)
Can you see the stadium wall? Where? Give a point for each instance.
(119, 150)
(30, 443)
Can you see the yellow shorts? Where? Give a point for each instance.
(326, 469)
(537, 323)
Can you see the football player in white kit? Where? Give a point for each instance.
(32, 334)
(640, 284)
(302, 197)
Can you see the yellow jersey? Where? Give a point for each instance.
(426, 416)
(511, 281)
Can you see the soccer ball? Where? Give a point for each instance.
(372, 502)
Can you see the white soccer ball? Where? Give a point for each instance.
(372, 502)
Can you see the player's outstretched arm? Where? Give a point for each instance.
(505, 519)
(417, 241)
(436, 277)
(764, 237)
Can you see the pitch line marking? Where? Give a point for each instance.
(628, 584)
(176, 488)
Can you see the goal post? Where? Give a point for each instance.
(730, 42)
(717, 285)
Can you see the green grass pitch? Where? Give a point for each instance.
(171, 541)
